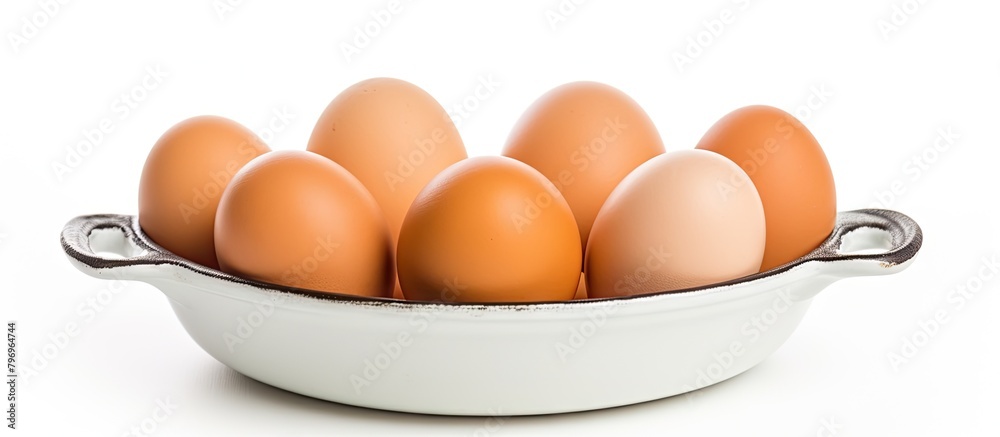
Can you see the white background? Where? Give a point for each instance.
(880, 101)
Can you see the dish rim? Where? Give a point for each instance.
(905, 235)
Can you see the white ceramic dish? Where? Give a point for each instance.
(491, 359)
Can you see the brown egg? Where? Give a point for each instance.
(183, 179)
(489, 229)
(585, 137)
(391, 135)
(683, 219)
(790, 171)
(295, 218)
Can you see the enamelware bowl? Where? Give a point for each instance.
(491, 359)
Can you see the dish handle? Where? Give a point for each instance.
(868, 242)
(111, 245)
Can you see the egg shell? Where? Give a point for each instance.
(585, 137)
(489, 229)
(683, 219)
(790, 171)
(297, 219)
(183, 179)
(393, 136)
